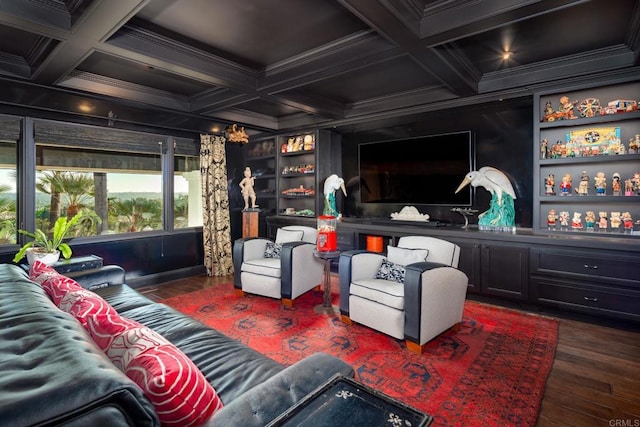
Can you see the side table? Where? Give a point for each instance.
(326, 307)
(342, 401)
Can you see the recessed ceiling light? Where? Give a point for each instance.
(506, 55)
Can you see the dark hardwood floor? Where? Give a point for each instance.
(595, 379)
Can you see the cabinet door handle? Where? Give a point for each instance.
(592, 267)
(592, 299)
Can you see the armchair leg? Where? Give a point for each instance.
(287, 302)
(239, 292)
(415, 347)
(345, 319)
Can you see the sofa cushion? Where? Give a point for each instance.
(390, 271)
(272, 250)
(174, 384)
(406, 256)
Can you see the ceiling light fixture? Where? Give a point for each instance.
(506, 55)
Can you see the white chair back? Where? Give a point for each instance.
(440, 250)
(309, 234)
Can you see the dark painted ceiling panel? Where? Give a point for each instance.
(275, 66)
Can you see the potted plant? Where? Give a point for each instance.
(45, 249)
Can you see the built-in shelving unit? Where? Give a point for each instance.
(596, 141)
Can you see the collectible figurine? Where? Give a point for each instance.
(628, 187)
(583, 187)
(590, 220)
(548, 115)
(576, 221)
(602, 224)
(635, 181)
(544, 149)
(627, 221)
(565, 185)
(551, 219)
(615, 184)
(549, 185)
(615, 221)
(566, 109)
(600, 183)
(564, 220)
(246, 187)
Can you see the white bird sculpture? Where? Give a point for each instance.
(492, 179)
(501, 211)
(331, 184)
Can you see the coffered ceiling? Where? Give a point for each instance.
(274, 65)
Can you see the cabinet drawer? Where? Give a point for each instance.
(589, 298)
(609, 267)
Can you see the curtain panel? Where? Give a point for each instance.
(216, 223)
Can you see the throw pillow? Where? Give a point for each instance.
(83, 303)
(405, 256)
(181, 395)
(272, 250)
(284, 236)
(390, 271)
(54, 283)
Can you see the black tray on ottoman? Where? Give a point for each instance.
(344, 402)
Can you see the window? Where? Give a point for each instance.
(187, 192)
(112, 177)
(9, 134)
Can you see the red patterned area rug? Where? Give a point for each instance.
(492, 372)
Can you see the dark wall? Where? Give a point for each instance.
(503, 139)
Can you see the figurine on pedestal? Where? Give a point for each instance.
(615, 221)
(549, 185)
(627, 221)
(564, 220)
(551, 219)
(615, 184)
(501, 213)
(583, 187)
(602, 223)
(565, 185)
(576, 221)
(246, 186)
(600, 183)
(590, 220)
(331, 184)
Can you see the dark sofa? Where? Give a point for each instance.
(52, 373)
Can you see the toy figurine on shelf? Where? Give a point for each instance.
(551, 219)
(634, 145)
(548, 115)
(628, 187)
(615, 221)
(544, 149)
(583, 187)
(590, 220)
(635, 181)
(565, 185)
(566, 109)
(549, 185)
(564, 220)
(600, 183)
(627, 221)
(602, 223)
(576, 221)
(615, 184)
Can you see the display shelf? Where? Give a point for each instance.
(586, 147)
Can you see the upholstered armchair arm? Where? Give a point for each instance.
(300, 270)
(438, 292)
(353, 266)
(245, 249)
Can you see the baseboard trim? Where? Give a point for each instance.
(165, 276)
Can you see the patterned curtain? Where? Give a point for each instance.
(216, 224)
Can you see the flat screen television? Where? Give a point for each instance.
(417, 171)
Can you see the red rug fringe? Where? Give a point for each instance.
(492, 372)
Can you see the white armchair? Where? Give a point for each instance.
(426, 303)
(283, 269)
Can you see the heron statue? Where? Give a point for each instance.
(501, 211)
(331, 185)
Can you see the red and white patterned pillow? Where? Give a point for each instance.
(179, 392)
(54, 283)
(83, 303)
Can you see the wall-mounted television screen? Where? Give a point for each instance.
(417, 171)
